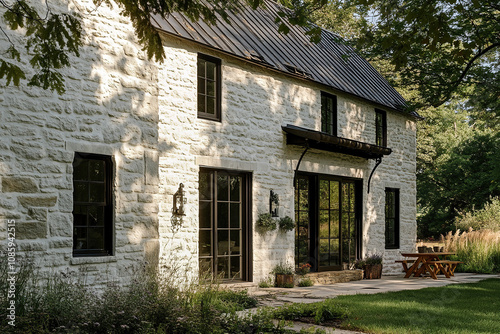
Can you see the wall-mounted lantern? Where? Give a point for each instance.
(274, 204)
(179, 201)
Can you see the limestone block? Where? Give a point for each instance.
(38, 214)
(31, 230)
(60, 224)
(38, 201)
(12, 184)
(31, 245)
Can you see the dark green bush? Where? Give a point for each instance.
(322, 311)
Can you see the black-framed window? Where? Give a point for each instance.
(92, 205)
(380, 128)
(329, 113)
(391, 218)
(209, 87)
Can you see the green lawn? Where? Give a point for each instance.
(457, 308)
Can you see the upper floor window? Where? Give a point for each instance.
(391, 218)
(380, 128)
(92, 205)
(209, 87)
(329, 113)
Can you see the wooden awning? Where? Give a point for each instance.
(296, 135)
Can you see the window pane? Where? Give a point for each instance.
(95, 216)
(80, 169)
(205, 214)
(235, 267)
(201, 103)
(235, 188)
(235, 243)
(201, 67)
(210, 106)
(223, 242)
(324, 222)
(205, 267)
(235, 215)
(334, 195)
(222, 187)
(96, 170)
(79, 215)
(81, 192)
(210, 88)
(96, 238)
(323, 194)
(205, 186)
(222, 215)
(211, 70)
(97, 192)
(205, 243)
(80, 238)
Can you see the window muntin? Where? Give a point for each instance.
(92, 205)
(391, 218)
(329, 113)
(209, 87)
(380, 128)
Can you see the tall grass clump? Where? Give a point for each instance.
(479, 250)
(62, 302)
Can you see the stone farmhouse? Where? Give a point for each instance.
(173, 163)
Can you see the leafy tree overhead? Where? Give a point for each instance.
(442, 48)
(52, 37)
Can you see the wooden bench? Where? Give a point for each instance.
(405, 264)
(447, 267)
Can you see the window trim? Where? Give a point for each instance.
(397, 220)
(334, 125)
(218, 87)
(109, 232)
(383, 135)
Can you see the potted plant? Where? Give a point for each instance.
(265, 223)
(283, 275)
(371, 265)
(286, 224)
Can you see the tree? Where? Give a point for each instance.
(51, 37)
(442, 48)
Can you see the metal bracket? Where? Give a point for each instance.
(378, 162)
(300, 160)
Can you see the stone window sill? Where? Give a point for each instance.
(93, 260)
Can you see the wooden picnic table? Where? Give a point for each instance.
(432, 263)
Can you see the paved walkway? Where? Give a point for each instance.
(281, 296)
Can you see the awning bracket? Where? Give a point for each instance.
(378, 162)
(300, 160)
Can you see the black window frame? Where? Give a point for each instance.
(394, 232)
(329, 127)
(218, 88)
(380, 128)
(107, 205)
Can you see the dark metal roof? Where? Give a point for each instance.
(253, 35)
(296, 135)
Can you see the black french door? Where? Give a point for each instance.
(224, 236)
(328, 218)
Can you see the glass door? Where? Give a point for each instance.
(327, 214)
(223, 220)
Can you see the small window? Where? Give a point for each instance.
(391, 218)
(329, 114)
(209, 87)
(380, 128)
(92, 205)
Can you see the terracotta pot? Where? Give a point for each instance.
(372, 271)
(284, 280)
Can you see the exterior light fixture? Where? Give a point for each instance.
(274, 203)
(179, 201)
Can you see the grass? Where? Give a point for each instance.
(458, 309)
(479, 250)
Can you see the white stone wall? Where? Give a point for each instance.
(110, 107)
(255, 103)
(143, 114)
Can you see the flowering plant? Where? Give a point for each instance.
(304, 269)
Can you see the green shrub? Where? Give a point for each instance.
(283, 269)
(306, 282)
(326, 310)
(486, 218)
